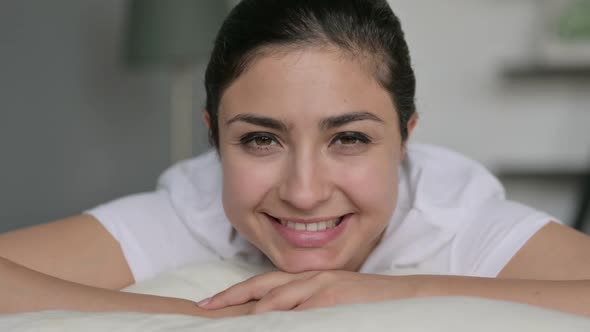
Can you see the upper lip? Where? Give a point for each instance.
(308, 220)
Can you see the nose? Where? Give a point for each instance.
(305, 184)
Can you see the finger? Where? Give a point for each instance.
(312, 302)
(237, 310)
(287, 296)
(252, 289)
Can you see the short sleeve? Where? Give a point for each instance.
(452, 218)
(485, 245)
(152, 236)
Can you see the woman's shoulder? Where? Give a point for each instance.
(425, 154)
(197, 180)
(441, 175)
(202, 167)
(454, 218)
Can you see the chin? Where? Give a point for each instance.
(302, 260)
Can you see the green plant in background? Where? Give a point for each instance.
(574, 24)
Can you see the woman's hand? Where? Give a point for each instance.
(314, 289)
(236, 310)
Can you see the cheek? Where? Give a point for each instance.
(372, 186)
(245, 184)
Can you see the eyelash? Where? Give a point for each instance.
(362, 138)
(248, 140)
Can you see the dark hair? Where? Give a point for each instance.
(366, 28)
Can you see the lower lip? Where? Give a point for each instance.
(308, 239)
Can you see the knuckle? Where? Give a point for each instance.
(255, 279)
(273, 294)
(262, 279)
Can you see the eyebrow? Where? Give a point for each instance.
(258, 120)
(325, 124)
(343, 119)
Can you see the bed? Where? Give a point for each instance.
(197, 282)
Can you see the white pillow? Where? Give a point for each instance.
(453, 314)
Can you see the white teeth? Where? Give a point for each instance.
(311, 227)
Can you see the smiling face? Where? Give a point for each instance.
(310, 149)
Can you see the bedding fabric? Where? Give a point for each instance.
(454, 314)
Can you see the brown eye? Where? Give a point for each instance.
(262, 141)
(348, 140)
(351, 138)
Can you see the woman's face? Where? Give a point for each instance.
(310, 148)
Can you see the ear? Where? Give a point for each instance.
(207, 119)
(411, 126)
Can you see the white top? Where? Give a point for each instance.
(451, 218)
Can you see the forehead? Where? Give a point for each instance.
(310, 83)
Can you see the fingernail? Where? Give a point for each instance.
(204, 302)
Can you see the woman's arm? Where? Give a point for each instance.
(283, 291)
(25, 290)
(571, 296)
(552, 271)
(556, 252)
(77, 249)
(75, 264)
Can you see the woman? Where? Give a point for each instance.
(310, 105)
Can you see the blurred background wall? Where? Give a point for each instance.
(78, 127)
(491, 86)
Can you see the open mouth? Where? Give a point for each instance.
(310, 226)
